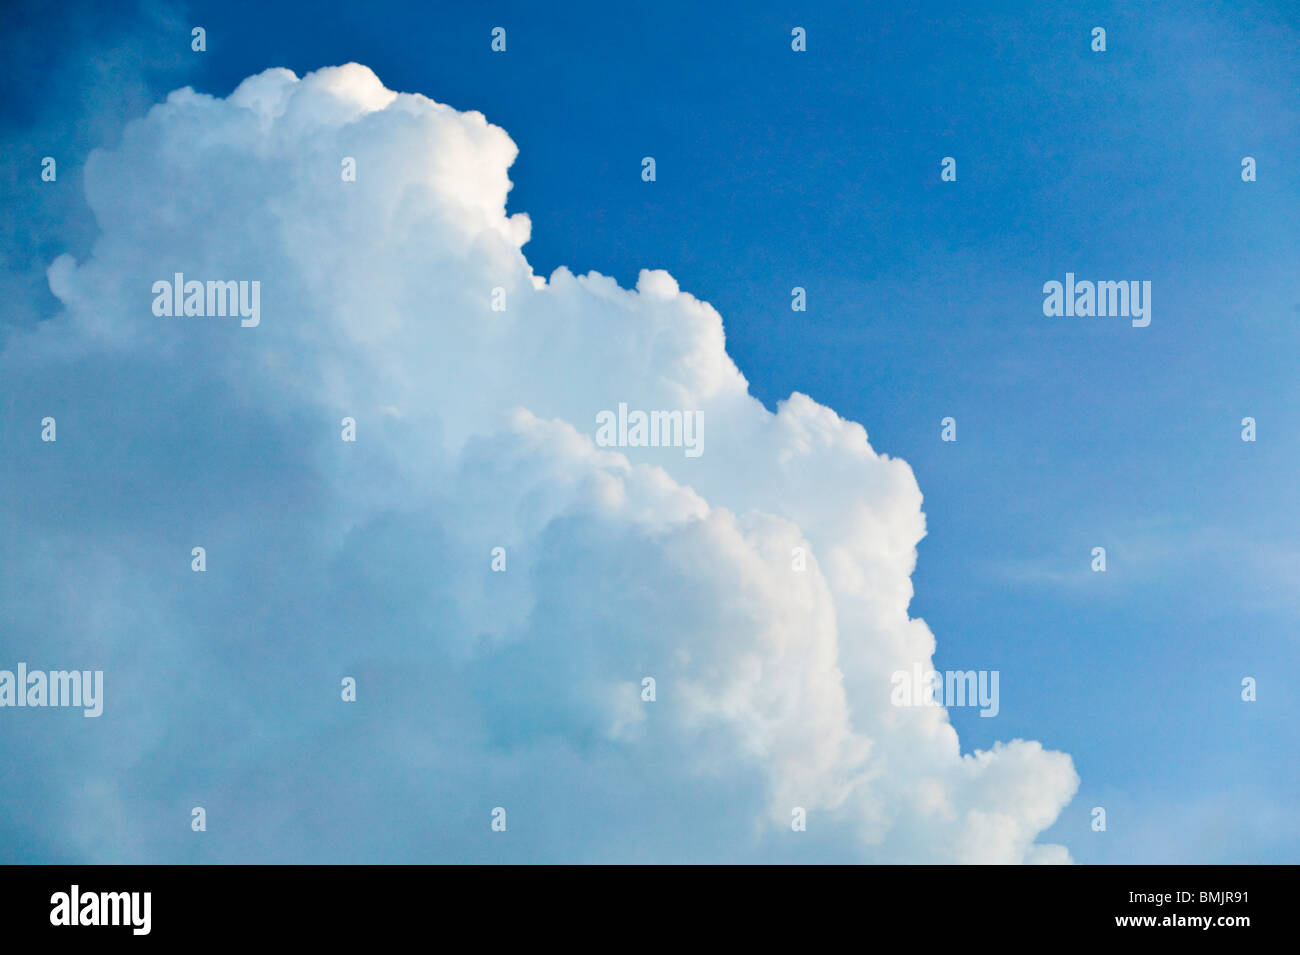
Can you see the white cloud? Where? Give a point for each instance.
(474, 430)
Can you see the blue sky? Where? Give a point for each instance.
(821, 170)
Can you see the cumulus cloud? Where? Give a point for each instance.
(371, 559)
